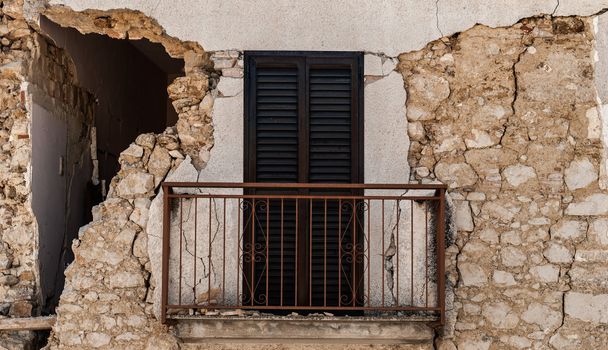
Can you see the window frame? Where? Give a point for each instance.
(305, 60)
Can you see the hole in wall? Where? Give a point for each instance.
(129, 80)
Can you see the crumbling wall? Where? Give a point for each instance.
(507, 117)
(31, 66)
(107, 301)
(17, 224)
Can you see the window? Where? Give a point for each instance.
(303, 123)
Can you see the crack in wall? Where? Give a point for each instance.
(437, 17)
(555, 9)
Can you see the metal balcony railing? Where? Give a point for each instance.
(356, 249)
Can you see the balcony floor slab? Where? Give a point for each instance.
(303, 332)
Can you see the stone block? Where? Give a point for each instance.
(135, 184)
(512, 257)
(517, 175)
(545, 273)
(587, 307)
(503, 278)
(543, 316)
(568, 229)
(598, 231)
(595, 204)
(580, 174)
(455, 175)
(463, 217)
(472, 274)
(557, 253)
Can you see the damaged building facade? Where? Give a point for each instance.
(114, 114)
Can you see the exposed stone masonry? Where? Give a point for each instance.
(507, 118)
(26, 57)
(17, 224)
(108, 297)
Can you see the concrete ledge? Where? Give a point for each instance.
(307, 346)
(27, 323)
(303, 331)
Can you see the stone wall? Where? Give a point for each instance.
(108, 298)
(30, 66)
(17, 224)
(507, 118)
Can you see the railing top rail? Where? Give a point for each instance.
(304, 185)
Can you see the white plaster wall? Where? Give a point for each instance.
(390, 26)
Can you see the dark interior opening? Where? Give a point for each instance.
(129, 80)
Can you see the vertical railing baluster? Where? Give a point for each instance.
(239, 249)
(325, 253)
(354, 256)
(181, 235)
(426, 253)
(310, 255)
(267, 247)
(340, 252)
(194, 255)
(166, 252)
(369, 238)
(383, 253)
(398, 220)
(224, 256)
(441, 255)
(296, 266)
(282, 250)
(209, 257)
(412, 252)
(251, 282)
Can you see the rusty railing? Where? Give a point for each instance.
(357, 249)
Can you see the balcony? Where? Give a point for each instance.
(335, 249)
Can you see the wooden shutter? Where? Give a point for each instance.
(274, 104)
(330, 125)
(303, 124)
(333, 136)
(276, 124)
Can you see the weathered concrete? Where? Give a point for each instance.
(303, 330)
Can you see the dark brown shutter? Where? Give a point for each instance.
(303, 124)
(330, 161)
(330, 120)
(276, 124)
(274, 101)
